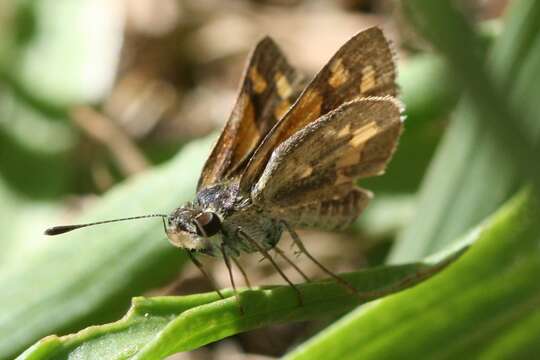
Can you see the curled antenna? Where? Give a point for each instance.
(57, 230)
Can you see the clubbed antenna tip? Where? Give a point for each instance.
(57, 230)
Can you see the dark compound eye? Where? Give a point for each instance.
(209, 222)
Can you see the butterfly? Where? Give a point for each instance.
(289, 156)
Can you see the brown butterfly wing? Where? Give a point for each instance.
(364, 66)
(268, 88)
(331, 214)
(321, 162)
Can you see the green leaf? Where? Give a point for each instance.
(161, 326)
(87, 277)
(420, 79)
(487, 152)
(386, 216)
(484, 306)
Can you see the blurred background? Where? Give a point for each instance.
(97, 93)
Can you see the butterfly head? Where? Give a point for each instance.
(193, 229)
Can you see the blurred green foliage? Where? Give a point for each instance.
(489, 149)
(484, 306)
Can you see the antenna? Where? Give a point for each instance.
(57, 230)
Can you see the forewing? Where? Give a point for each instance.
(268, 88)
(363, 67)
(322, 161)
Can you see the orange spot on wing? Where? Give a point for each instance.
(368, 79)
(283, 87)
(364, 133)
(305, 171)
(346, 130)
(350, 159)
(258, 82)
(339, 74)
(248, 132)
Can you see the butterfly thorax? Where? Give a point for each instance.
(213, 222)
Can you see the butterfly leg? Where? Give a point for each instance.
(231, 277)
(290, 262)
(303, 249)
(246, 279)
(164, 225)
(205, 274)
(267, 255)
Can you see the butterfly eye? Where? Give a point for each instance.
(209, 222)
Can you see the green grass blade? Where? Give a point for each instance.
(484, 306)
(157, 327)
(89, 276)
(487, 152)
